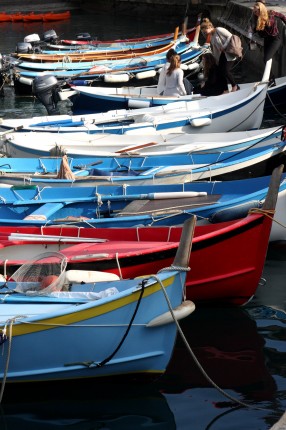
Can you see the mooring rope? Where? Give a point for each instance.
(225, 394)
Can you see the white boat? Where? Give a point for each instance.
(91, 99)
(236, 111)
(82, 145)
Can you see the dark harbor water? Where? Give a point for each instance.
(243, 350)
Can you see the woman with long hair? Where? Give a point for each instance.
(174, 84)
(219, 40)
(162, 76)
(266, 26)
(215, 82)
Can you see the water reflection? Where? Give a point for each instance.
(82, 407)
(228, 346)
(230, 349)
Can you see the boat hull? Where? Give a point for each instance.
(58, 340)
(226, 262)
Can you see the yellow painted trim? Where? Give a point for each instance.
(20, 329)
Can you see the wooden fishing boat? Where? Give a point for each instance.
(59, 51)
(91, 99)
(86, 62)
(54, 304)
(19, 144)
(190, 33)
(143, 170)
(127, 206)
(110, 72)
(230, 276)
(236, 111)
(97, 54)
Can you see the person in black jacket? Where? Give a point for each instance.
(215, 82)
(265, 25)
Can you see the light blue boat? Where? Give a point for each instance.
(142, 170)
(64, 328)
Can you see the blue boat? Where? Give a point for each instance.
(129, 206)
(142, 170)
(100, 68)
(64, 328)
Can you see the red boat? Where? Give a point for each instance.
(226, 262)
(33, 17)
(190, 33)
(5, 17)
(53, 16)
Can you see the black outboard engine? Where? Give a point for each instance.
(83, 36)
(24, 48)
(46, 89)
(50, 36)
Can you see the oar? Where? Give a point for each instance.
(134, 148)
(184, 26)
(84, 167)
(176, 33)
(51, 238)
(198, 29)
(113, 198)
(11, 130)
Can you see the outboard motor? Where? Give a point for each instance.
(46, 89)
(34, 40)
(50, 36)
(83, 36)
(24, 48)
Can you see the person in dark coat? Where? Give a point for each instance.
(215, 82)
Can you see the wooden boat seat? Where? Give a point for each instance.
(141, 207)
(44, 211)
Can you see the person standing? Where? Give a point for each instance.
(162, 76)
(265, 25)
(219, 40)
(215, 82)
(174, 84)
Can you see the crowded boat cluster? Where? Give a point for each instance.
(161, 167)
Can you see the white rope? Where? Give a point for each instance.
(194, 356)
(10, 322)
(118, 265)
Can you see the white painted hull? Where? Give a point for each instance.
(40, 144)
